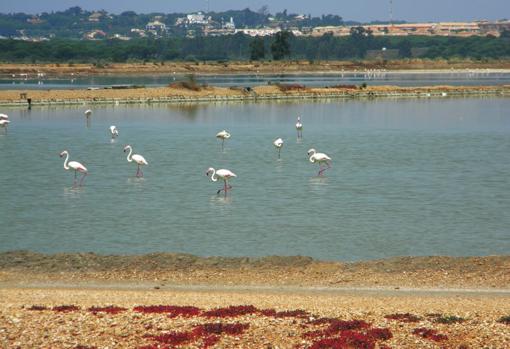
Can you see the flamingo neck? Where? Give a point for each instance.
(214, 178)
(65, 162)
(129, 155)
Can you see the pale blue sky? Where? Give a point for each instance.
(361, 10)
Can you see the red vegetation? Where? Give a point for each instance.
(430, 334)
(380, 333)
(84, 347)
(174, 338)
(403, 317)
(219, 328)
(66, 308)
(232, 311)
(292, 313)
(322, 321)
(38, 308)
(347, 340)
(209, 334)
(172, 310)
(109, 309)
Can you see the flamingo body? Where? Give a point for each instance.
(223, 135)
(4, 117)
(4, 123)
(137, 158)
(75, 166)
(113, 131)
(88, 112)
(222, 174)
(321, 159)
(278, 143)
(299, 127)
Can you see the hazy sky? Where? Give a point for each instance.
(361, 10)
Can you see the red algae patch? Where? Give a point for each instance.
(172, 310)
(430, 334)
(65, 308)
(232, 311)
(407, 317)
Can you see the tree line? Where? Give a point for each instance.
(242, 47)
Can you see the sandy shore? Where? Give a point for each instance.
(404, 302)
(247, 67)
(180, 94)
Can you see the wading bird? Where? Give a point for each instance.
(74, 165)
(88, 113)
(278, 143)
(299, 128)
(4, 121)
(223, 135)
(114, 132)
(222, 174)
(321, 158)
(140, 160)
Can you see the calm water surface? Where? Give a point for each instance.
(312, 80)
(409, 177)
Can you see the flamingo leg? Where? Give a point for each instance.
(138, 171)
(222, 144)
(75, 179)
(82, 178)
(279, 150)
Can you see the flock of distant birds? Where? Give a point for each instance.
(225, 175)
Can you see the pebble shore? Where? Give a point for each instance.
(65, 301)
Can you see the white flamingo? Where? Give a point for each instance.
(88, 113)
(278, 143)
(74, 165)
(321, 158)
(140, 160)
(299, 128)
(222, 174)
(223, 135)
(114, 132)
(4, 121)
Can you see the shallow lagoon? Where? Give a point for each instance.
(409, 177)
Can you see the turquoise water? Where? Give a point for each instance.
(409, 177)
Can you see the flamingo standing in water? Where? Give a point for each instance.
(223, 174)
(114, 132)
(74, 165)
(4, 121)
(278, 143)
(223, 135)
(140, 160)
(88, 113)
(321, 158)
(299, 128)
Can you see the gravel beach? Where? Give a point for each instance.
(178, 300)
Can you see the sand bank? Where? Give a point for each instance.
(179, 94)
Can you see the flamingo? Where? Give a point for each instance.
(4, 121)
(114, 132)
(88, 113)
(321, 158)
(278, 143)
(299, 128)
(221, 174)
(140, 160)
(74, 165)
(223, 135)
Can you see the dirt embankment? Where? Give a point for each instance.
(246, 67)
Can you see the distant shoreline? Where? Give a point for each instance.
(194, 93)
(253, 67)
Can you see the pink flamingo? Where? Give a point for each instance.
(74, 165)
(4, 121)
(223, 174)
(321, 158)
(140, 160)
